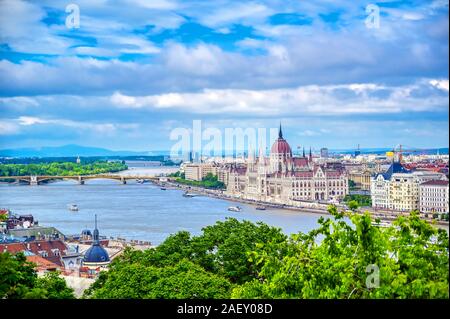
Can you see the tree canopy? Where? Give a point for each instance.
(209, 181)
(345, 257)
(19, 280)
(64, 168)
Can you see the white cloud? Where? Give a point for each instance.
(240, 12)
(104, 128)
(315, 100)
(440, 84)
(8, 128)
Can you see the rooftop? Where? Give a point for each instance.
(436, 183)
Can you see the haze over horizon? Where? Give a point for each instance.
(125, 79)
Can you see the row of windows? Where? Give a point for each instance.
(318, 184)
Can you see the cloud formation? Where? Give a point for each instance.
(134, 62)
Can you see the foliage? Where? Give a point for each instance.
(353, 205)
(66, 168)
(19, 280)
(54, 286)
(362, 200)
(412, 258)
(182, 280)
(351, 184)
(177, 174)
(218, 260)
(246, 260)
(209, 181)
(170, 163)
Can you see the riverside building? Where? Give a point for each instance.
(434, 196)
(399, 189)
(282, 178)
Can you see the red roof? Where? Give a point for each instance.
(436, 183)
(38, 246)
(300, 161)
(42, 263)
(281, 147)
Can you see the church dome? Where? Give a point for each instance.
(280, 146)
(96, 254)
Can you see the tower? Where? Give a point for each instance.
(280, 153)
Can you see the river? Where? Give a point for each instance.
(135, 211)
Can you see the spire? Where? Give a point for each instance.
(280, 133)
(304, 152)
(310, 153)
(96, 235)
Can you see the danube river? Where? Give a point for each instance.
(135, 211)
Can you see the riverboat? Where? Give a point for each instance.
(187, 194)
(72, 207)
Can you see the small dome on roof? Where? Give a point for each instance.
(86, 232)
(96, 253)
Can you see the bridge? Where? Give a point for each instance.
(36, 180)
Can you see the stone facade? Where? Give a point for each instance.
(284, 179)
(197, 171)
(398, 188)
(434, 196)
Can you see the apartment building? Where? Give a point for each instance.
(434, 196)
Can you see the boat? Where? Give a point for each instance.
(187, 194)
(73, 207)
(234, 209)
(163, 188)
(260, 207)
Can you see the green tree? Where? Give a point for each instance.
(351, 184)
(17, 276)
(19, 280)
(246, 260)
(412, 258)
(61, 168)
(353, 205)
(182, 280)
(54, 286)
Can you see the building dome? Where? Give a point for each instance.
(96, 255)
(280, 146)
(86, 232)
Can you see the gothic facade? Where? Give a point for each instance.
(283, 178)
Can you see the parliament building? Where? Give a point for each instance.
(282, 178)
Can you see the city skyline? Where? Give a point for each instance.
(124, 79)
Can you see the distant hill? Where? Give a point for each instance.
(73, 150)
(66, 151)
(432, 151)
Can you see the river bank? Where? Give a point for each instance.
(383, 216)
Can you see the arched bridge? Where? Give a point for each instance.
(35, 180)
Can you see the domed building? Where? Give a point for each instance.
(283, 178)
(280, 154)
(96, 256)
(86, 234)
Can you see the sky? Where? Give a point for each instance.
(132, 71)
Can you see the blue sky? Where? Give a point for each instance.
(134, 70)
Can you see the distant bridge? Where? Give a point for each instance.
(36, 179)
